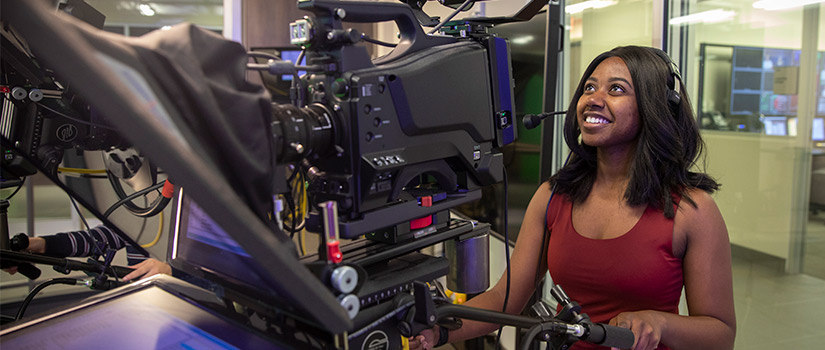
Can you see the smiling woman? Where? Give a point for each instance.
(626, 224)
(607, 112)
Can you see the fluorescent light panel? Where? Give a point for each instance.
(590, 4)
(771, 5)
(712, 16)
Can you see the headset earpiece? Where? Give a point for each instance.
(673, 97)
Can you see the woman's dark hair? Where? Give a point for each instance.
(668, 144)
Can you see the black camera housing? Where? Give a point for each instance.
(437, 107)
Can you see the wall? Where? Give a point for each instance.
(626, 23)
(757, 176)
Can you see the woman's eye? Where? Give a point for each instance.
(617, 88)
(589, 88)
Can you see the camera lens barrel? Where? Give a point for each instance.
(302, 132)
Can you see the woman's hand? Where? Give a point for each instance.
(148, 268)
(647, 327)
(37, 245)
(425, 340)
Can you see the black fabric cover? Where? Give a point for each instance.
(204, 74)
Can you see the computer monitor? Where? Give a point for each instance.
(776, 126)
(818, 131)
(114, 75)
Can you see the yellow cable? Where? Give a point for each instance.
(157, 237)
(303, 212)
(81, 171)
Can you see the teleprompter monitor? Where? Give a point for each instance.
(158, 313)
(200, 247)
(113, 74)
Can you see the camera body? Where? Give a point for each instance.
(426, 120)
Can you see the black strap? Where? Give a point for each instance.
(443, 336)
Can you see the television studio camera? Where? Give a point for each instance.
(387, 147)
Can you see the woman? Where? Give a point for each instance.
(629, 224)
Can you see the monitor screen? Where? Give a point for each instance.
(818, 132)
(198, 242)
(279, 85)
(292, 56)
(776, 126)
(148, 318)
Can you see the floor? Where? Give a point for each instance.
(775, 310)
(814, 249)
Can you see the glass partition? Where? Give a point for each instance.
(755, 71)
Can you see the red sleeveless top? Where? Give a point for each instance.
(632, 272)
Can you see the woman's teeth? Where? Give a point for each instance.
(596, 120)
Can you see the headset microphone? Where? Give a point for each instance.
(533, 120)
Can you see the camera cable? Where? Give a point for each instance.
(366, 38)
(25, 304)
(133, 196)
(19, 186)
(450, 17)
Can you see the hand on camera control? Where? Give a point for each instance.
(426, 340)
(646, 327)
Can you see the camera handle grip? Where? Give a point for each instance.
(412, 36)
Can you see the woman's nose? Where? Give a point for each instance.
(594, 99)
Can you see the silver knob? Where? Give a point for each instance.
(350, 303)
(344, 279)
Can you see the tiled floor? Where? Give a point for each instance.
(775, 310)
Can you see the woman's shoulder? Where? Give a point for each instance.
(543, 194)
(697, 208)
(696, 199)
(541, 198)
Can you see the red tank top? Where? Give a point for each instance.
(635, 271)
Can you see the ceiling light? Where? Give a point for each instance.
(591, 4)
(712, 16)
(146, 10)
(771, 5)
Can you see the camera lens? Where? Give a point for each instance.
(302, 132)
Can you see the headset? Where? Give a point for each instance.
(673, 97)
